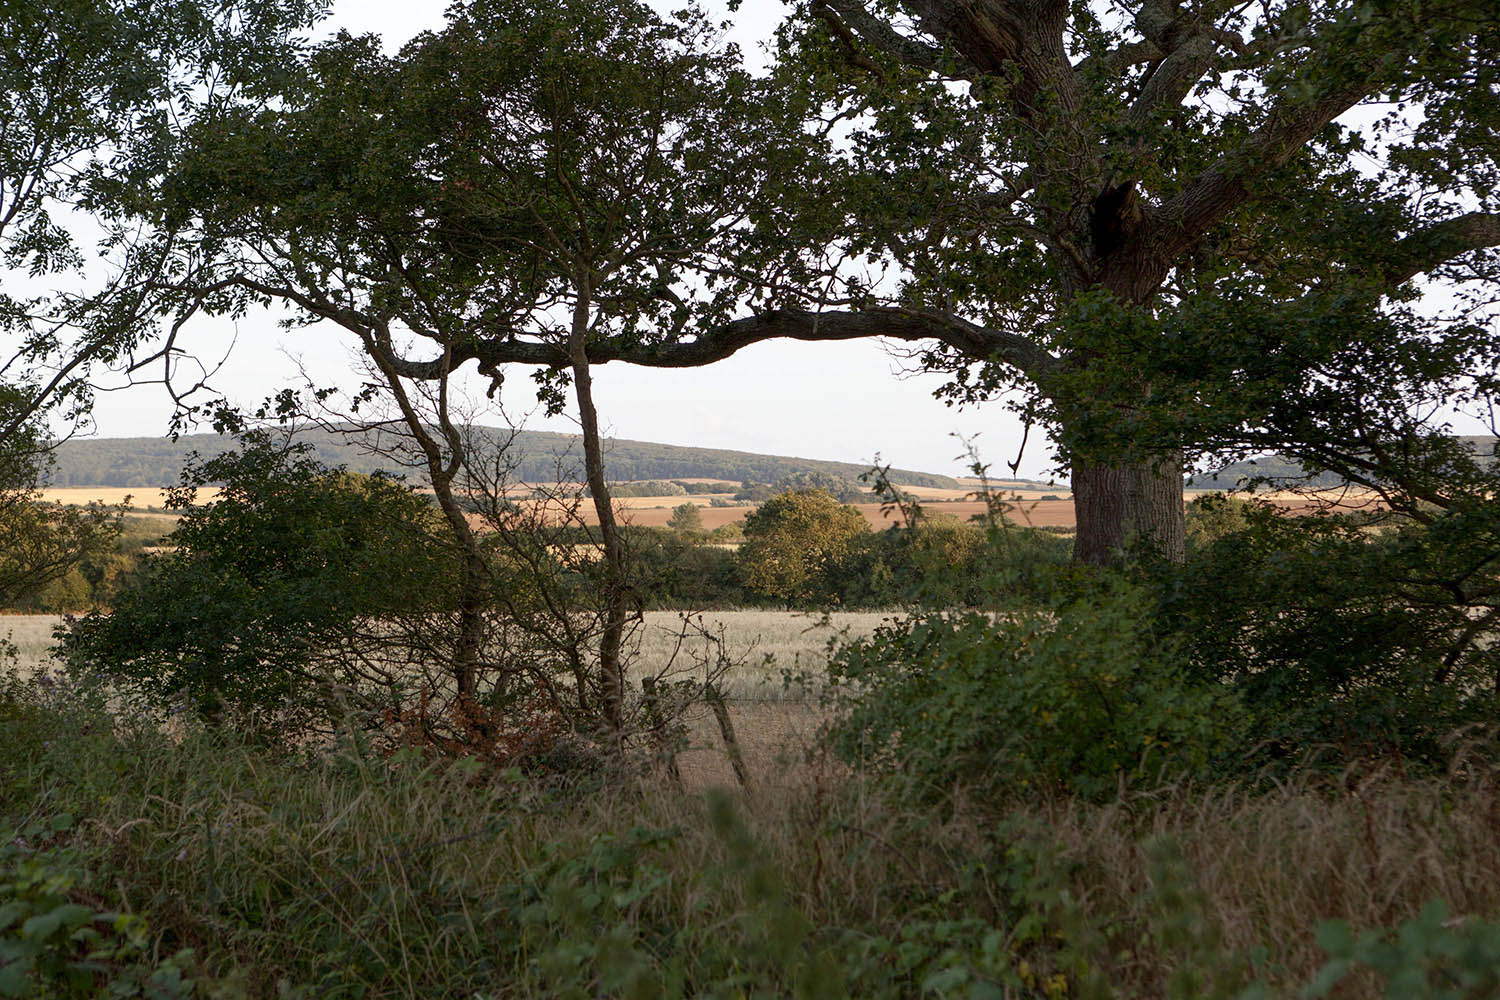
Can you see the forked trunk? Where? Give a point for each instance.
(1125, 505)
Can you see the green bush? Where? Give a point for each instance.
(1335, 635)
(290, 562)
(1427, 956)
(1081, 697)
(678, 572)
(52, 945)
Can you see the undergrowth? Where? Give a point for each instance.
(141, 864)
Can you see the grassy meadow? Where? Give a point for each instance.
(248, 872)
(200, 861)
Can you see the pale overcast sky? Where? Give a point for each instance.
(845, 401)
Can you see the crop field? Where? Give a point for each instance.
(1038, 507)
(772, 721)
(656, 511)
(138, 497)
(759, 646)
(32, 637)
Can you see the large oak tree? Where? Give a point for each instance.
(1160, 229)
(1167, 228)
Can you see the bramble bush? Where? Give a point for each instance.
(1336, 635)
(1083, 696)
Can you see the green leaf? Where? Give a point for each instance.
(68, 915)
(14, 981)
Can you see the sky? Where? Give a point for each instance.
(845, 401)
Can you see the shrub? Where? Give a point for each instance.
(287, 566)
(1082, 697)
(795, 544)
(1337, 636)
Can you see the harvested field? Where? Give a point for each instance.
(139, 497)
(772, 722)
(655, 512)
(32, 637)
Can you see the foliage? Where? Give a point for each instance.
(686, 520)
(90, 89)
(43, 545)
(53, 946)
(46, 547)
(1337, 634)
(1212, 516)
(1083, 696)
(347, 872)
(267, 586)
(795, 542)
(649, 488)
(1427, 956)
(844, 490)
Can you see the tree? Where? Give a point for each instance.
(686, 519)
(581, 171)
(88, 87)
(89, 91)
(41, 543)
(1157, 227)
(794, 543)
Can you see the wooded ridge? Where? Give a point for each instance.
(539, 456)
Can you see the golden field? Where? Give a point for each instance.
(1025, 506)
(770, 718)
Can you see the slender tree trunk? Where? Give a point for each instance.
(612, 676)
(1137, 503)
(474, 575)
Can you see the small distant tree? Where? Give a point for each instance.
(686, 519)
(795, 543)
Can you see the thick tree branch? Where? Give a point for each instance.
(1441, 242)
(851, 24)
(978, 342)
(1174, 78)
(1109, 64)
(1224, 185)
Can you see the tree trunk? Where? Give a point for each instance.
(611, 666)
(1134, 504)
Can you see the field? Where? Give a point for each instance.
(32, 637)
(1027, 505)
(770, 719)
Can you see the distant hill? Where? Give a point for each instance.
(538, 457)
(1281, 470)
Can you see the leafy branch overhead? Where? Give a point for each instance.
(1048, 201)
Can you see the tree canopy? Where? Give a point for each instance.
(1160, 231)
(794, 542)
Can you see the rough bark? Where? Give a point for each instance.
(1120, 505)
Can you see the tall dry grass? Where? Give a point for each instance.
(347, 873)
